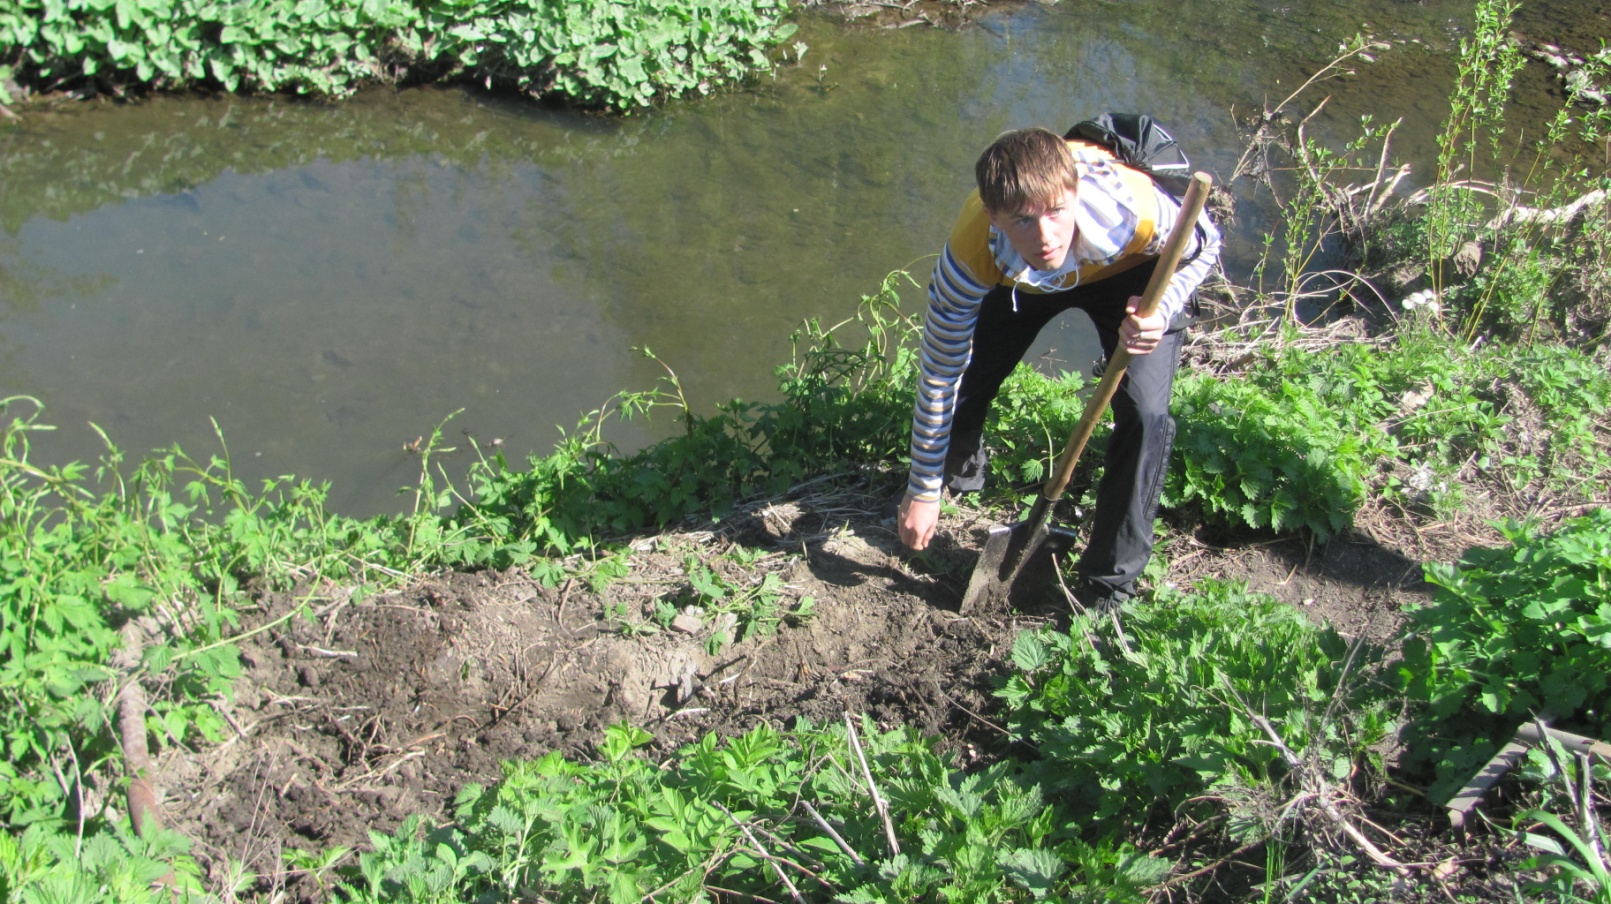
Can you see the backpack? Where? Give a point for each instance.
(1140, 142)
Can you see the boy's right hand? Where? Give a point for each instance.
(917, 521)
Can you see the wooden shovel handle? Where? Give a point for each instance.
(1190, 208)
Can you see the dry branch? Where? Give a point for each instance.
(131, 707)
(1320, 793)
(838, 839)
(782, 876)
(872, 788)
(1546, 216)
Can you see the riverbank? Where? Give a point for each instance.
(372, 675)
(360, 707)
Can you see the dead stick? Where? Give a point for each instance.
(131, 709)
(1376, 855)
(1228, 858)
(782, 876)
(878, 799)
(843, 846)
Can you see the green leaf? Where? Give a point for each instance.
(1033, 869)
(1028, 653)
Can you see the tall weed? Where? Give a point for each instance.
(1515, 244)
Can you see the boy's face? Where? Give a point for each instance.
(1042, 233)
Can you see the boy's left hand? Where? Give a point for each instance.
(1141, 336)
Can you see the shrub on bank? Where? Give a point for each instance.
(1513, 632)
(1301, 438)
(620, 54)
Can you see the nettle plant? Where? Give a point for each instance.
(1183, 705)
(1512, 633)
(767, 815)
(1301, 437)
(1273, 457)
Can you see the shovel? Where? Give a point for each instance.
(1010, 552)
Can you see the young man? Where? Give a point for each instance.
(1054, 225)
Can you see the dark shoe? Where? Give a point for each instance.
(1106, 635)
(1099, 599)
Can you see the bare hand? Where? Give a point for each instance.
(917, 521)
(1140, 336)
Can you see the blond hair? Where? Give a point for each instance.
(1022, 168)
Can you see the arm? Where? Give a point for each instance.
(953, 310)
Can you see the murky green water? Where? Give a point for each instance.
(330, 281)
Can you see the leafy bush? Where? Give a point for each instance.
(737, 816)
(1511, 633)
(1177, 715)
(1301, 437)
(1573, 393)
(622, 55)
(74, 567)
(1534, 215)
(1269, 457)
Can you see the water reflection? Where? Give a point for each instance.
(329, 281)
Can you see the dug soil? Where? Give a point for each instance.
(358, 714)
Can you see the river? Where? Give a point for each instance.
(329, 281)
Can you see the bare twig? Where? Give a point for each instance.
(872, 788)
(1546, 216)
(981, 719)
(782, 876)
(832, 833)
(329, 654)
(1381, 169)
(1229, 858)
(131, 707)
(1322, 799)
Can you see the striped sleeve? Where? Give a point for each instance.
(954, 297)
(1202, 253)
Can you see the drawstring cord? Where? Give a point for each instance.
(1046, 285)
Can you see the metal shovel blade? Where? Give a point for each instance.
(1016, 561)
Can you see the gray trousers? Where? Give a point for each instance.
(1143, 433)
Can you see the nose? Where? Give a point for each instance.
(1045, 233)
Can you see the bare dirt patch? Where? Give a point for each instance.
(351, 720)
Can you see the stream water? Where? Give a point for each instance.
(327, 282)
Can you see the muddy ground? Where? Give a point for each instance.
(370, 711)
